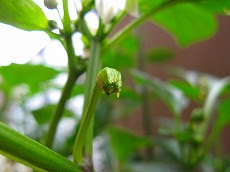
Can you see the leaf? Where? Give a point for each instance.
(23, 14)
(44, 115)
(186, 21)
(160, 55)
(78, 89)
(196, 78)
(123, 54)
(166, 92)
(124, 142)
(146, 6)
(216, 6)
(32, 75)
(214, 95)
(170, 147)
(188, 89)
(224, 114)
(22, 149)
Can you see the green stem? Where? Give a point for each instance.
(60, 108)
(72, 77)
(18, 147)
(85, 125)
(66, 19)
(137, 22)
(91, 73)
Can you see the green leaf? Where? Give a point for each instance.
(160, 55)
(166, 92)
(214, 94)
(23, 14)
(186, 21)
(124, 142)
(122, 55)
(217, 6)
(224, 114)
(44, 115)
(146, 6)
(20, 148)
(78, 89)
(31, 75)
(188, 89)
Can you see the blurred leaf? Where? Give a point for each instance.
(78, 89)
(128, 93)
(196, 78)
(129, 101)
(146, 6)
(188, 89)
(218, 6)
(23, 14)
(160, 55)
(124, 142)
(214, 94)
(166, 92)
(32, 75)
(103, 115)
(152, 166)
(170, 147)
(122, 55)
(44, 115)
(224, 114)
(188, 22)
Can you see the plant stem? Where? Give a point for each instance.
(146, 116)
(20, 148)
(60, 108)
(91, 73)
(137, 22)
(72, 76)
(85, 125)
(66, 19)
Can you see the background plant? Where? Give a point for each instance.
(183, 146)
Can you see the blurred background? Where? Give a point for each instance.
(25, 100)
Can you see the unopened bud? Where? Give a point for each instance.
(109, 81)
(51, 4)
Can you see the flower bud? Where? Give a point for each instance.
(109, 81)
(51, 4)
(108, 9)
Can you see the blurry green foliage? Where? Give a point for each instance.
(122, 55)
(224, 114)
(166, 92)
(181, 20)
(124, 142)
(44, 114)
(33, 76)
(160, 55)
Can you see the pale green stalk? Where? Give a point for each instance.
(22, 149)
(109, 81)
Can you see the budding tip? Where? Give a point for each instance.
(109, 81)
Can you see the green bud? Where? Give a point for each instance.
(109, 81)
(51, 4)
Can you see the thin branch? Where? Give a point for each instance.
(137, 22)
